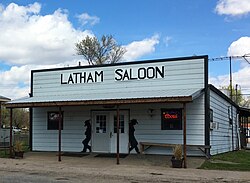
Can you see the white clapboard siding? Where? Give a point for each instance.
(179, 75)
(149, 128)
(221, 137)
(183, 74)
(72, 133)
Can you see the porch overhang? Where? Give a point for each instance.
(184, 96)
(4, 99)
(101, 102)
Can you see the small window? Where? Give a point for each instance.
(53, 121)
(171, 119)
(101, 123)
(211, 115)
(230, 119)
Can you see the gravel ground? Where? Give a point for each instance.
(44, 167)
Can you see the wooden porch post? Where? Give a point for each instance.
(11, 140)
(118, 135)
(185, 135)
(59, 134)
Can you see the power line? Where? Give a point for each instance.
(230, 67)
(244, 57)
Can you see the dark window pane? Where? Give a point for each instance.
(171, 119)
(121, 119)
(53, 121)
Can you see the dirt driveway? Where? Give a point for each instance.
(133, 169)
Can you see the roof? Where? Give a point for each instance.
(4, 99)
(221, 94)
(157, 96)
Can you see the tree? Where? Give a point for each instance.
(246, 102)
(98, 52)
(237, 96)
(20, 117)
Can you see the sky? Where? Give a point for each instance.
(42, 34)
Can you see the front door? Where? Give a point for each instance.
(101, 132)
(104, 138)
(123, 132)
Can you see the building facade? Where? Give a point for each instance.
(171, 99)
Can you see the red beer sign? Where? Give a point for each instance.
(170, 116)
(171, 119)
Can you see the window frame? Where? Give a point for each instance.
(122, 124)
(230, 117)
(211, 115)
(167, 123)
(51, 124)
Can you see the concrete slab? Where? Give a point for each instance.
(92, 160)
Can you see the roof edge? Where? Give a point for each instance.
(4, 99)
(183, 99)
(224, 96)
(124, 63)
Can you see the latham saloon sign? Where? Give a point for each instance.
(119, 75)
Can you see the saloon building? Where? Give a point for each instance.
(171, 99)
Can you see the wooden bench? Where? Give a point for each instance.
(146, 145)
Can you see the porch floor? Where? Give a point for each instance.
(91, 160)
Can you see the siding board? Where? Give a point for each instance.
(221, 138)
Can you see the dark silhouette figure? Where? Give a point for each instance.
(132, 140)
(85, 142)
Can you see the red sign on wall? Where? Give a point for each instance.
(171, 119)
(170, 116)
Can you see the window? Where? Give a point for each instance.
(121, 119)
(230, 115)
(171, 119)
(211, 115)
(53, 121)
(101, 123)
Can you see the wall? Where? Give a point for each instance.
(221, 135)
(54, 84)
(65, 84)
(148, 129)
(72, 133)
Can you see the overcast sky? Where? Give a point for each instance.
(42, 34)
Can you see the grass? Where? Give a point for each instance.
(234, 161)
(4, 153)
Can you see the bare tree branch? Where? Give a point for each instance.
(98, 52)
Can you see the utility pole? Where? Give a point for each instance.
(236, 93)
(231, 84)
(231, 97)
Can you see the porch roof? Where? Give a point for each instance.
(160, 96)
(4, 99)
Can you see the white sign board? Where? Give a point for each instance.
(125, 80)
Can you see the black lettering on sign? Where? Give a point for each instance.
(139, 74)
(90, 78)
(70, 80)
(151, 72)
(118, 73)
(63, 82)
(142, 73)
(82, 77)
(160, 72)
(98, 76)
(125, 76)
